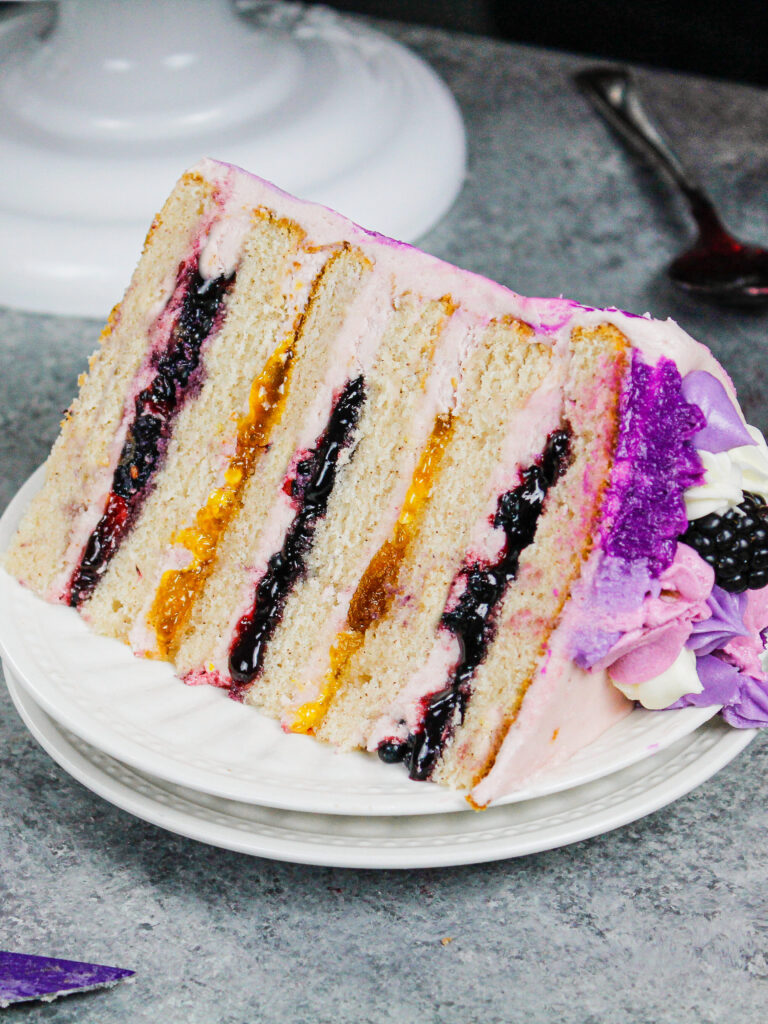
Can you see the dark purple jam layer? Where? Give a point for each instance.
(473, 620)
(655, 462)
(177, 377)
(310, 490)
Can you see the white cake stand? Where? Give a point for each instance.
(104, 102)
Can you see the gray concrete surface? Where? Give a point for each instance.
(663, 920)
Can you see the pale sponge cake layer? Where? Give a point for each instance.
(84, 454)
(364, 501)
(497, 380)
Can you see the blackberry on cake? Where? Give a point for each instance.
(735, 544)
(398, 506)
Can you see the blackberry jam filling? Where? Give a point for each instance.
(473, 620)
(310, 490)
(177, 376)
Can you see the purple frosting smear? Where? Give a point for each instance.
(724, 428)
(744, 699)
(726, 622)
(618, 587)
(23, 977)
(654, 464)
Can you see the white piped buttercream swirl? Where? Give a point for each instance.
(721, 489)
(667, 687)
(727, 475)
(752, 460)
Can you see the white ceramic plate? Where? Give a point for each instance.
(138, 712)
(437, 840)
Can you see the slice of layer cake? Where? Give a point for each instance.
(397, 506)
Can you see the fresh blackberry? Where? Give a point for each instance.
(393, 751)
(735, 544)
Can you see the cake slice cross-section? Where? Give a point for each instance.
(399, 507)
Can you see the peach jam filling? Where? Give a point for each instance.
(377, 585)
(179, 588)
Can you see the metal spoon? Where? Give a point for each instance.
(717, 266)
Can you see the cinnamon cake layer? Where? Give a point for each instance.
(396, 506)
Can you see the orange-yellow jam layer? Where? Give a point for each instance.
(179, 587)
(377, 585)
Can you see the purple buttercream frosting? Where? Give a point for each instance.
(24, 976)
(726, 622)
(744, 699)
(655, 463)
(724, 428)
(618, 587)
(644, 510)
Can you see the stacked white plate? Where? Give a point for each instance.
(194, 762)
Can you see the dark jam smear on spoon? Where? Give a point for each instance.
(473, 620)
(177, 376)
(310, 490)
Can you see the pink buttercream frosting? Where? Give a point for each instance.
(654, 633)
(744, 651)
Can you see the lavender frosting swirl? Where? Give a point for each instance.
(744, 699)
(723, 428)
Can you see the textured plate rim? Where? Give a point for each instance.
(194, 823)
(403, 798)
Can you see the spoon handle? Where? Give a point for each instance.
(614, 95)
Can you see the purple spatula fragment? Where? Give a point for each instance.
(25, 977)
